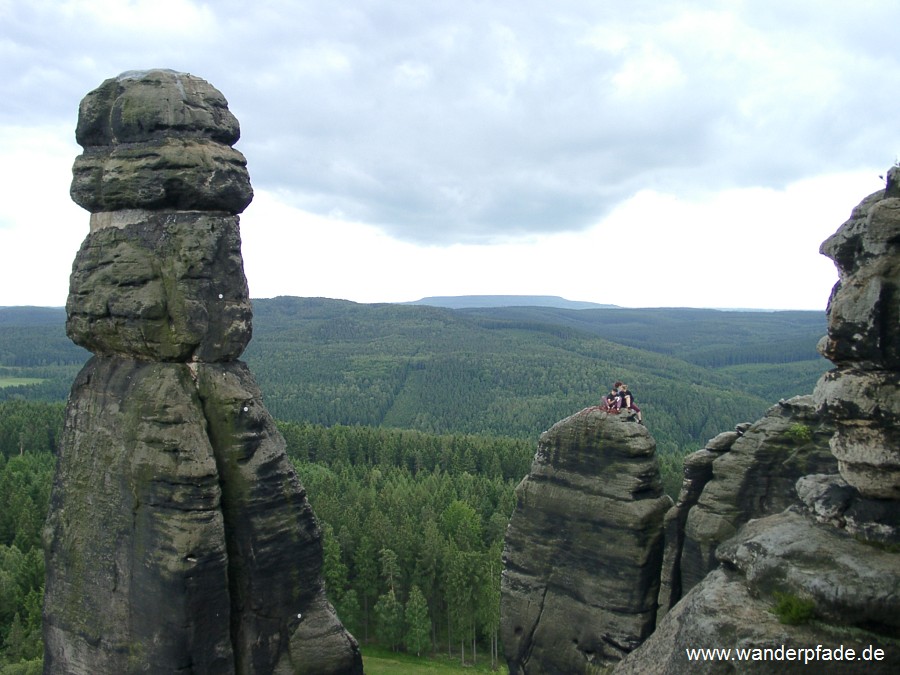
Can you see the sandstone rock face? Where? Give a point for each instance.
(179, 538)
(166, 287)
(137, 566)
(754, 478)
(583, 548)
(862, 394)
(698, 472)
(830, 499)
(849, 585)
(158, 139)
(722, 613)
(834, 550)
(852, 590)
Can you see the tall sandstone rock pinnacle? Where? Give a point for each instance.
(179, 538)
(862, 394)
(584, 547)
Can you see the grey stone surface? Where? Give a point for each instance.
(830, 499)
(756, 477)
(137, 561)
(168, 287)
(722, 613)
(698, 471)
(179, 538)
(850, 584)
(158, 139)
(583, 548)
(862, 394)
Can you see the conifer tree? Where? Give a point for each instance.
(333, 569)
(418, 623)
(389, 614)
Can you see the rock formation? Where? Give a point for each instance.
(698, 471)
(583, 548)
(829, 562)
(862, 394)
(754, 476)
(179, 537)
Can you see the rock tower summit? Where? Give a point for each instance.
(583, 548)
(179, 537)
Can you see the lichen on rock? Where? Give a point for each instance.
(159, 139)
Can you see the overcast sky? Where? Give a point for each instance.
(637, 153)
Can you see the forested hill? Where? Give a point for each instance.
(706, 337)
(517, 370)
(511, 371)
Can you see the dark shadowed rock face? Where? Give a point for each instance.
(583, 548)
(698, 471)
(179, 538)
(136, 537)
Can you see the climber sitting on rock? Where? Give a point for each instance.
(610, 402)
(626, 401)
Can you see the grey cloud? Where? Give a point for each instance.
(447, 122)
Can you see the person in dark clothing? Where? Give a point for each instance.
(626, 401)
(611, 401)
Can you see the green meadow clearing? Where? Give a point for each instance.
(385, 662)
(18, 381)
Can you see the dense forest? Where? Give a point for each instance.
(29, 433)
(508, 371)
(516, 371)
(416, 423)
(412, 524)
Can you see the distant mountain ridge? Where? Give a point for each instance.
(481, 301)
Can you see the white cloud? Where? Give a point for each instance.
(40, 226)
(648, 72)
(477, 131)
(412, 74)
(739, 248)
(181, 17)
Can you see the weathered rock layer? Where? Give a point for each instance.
(168, 287)
(179, 538)
(583, 548)
(754, 476)
(159, 140)
(862, 394)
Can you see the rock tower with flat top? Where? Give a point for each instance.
(179, 538)
(583, 548)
